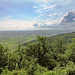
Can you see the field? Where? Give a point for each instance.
(11, 39)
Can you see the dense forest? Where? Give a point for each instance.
(46, 56)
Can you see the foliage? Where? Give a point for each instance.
(3, 57)
(43, 57)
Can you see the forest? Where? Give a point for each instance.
(46, 56)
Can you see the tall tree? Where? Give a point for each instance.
(3, 57)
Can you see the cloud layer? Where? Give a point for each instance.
(67, 22)
(37, 14)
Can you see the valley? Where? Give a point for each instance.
(11, 39)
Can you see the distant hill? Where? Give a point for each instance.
(67, 38)
(11, 39)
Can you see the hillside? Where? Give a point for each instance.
(46, 56)
(67, 38)
(11, 39)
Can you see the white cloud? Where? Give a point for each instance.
(68, 17)
(46, 1)
(9, 24)
(45, 7)
(39, 10)
(35, 6)
(46, 21)
(67, 22)
(74, 19)
(52, 15)
(54, 18)
(50, 23)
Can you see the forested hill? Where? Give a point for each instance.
(67, 38)
(11, 39)
(46, 56)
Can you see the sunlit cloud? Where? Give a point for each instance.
(35, 6)
(10, 24)
(45, 7)
(36, 14)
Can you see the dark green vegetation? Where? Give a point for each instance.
(46, 56)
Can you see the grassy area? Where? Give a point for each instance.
(13, 42)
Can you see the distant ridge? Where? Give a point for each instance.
(66, 36)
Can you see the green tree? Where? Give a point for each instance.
(72, 48)
(3, 57)
(59, 45)
(15, 58)
(40, 52)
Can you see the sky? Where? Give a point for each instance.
(37, 15)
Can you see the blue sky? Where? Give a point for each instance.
(34, 14)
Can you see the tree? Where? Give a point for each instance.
(72, 48)
(15, 58)
(40, 52)
(3, 57)
(59, 45)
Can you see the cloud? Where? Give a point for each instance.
(68, 17)
(52, 15)
(48, 23)
(48, 7)
(46, 1)
(10, 24)
(45, 8)
(51, 1)
(73, 19)
(68, 26)
(47, 14)
(39, 10)
(68, 21)
(35, 6)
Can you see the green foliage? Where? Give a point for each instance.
(44, 57)
(3, 57)
(19, 72)
(6, 72)
(72, 48)
(15, 59)
(39, 70)
(40, 51)
(14, 72)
